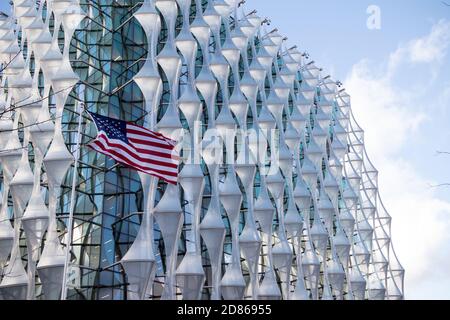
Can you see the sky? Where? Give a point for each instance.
(398, 77)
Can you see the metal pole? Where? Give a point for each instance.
(72, 204)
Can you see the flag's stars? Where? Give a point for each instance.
(114, 129)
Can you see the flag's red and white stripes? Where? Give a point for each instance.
(147, 151)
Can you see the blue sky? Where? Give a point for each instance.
(398, 77)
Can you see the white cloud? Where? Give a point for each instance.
(431, 48)
(420, 224)
(391, 117)
(377, 103)
(443, 102)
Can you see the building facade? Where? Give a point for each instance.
(277, 198)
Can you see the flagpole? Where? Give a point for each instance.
(72, 203)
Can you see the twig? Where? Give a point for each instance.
(440, 185)
(15, 106)
(7, 64)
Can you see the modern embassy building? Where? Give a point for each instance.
(289, 209)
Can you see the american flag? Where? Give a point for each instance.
(137, 147)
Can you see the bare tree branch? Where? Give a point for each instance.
(7, 64)
(16, 106)
(440, 185)
(439, 153)
(34, 124)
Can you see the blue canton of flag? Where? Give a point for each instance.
(114, 129)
